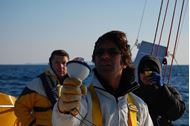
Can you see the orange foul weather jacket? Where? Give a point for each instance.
(33, 107)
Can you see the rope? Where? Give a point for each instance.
(157, 26)
(141, 20)
(142, 17)
(168, 42)
(171, 26)
(176, 40)
(185, 10)
(157, 49)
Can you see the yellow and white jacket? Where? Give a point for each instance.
(114, 111)
(33, 108)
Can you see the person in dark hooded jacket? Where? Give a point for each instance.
(164, 101)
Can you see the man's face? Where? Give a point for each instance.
(59, 65)
(108, 59)
(145, 77)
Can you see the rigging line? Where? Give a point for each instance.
(142, 17)
(157, 27)
(81, 120)
(171, 26)
(157, 49)
(92, 124)
(179, 24)
(183, 18)
(168, 42)
(163, 23)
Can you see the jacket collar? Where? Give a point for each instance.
(125, 85)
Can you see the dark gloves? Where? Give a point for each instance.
(156, 79)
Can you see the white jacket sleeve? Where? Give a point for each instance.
(144, 118)
(147, 119)
(61, 119)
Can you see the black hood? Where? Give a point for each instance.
(151, 62)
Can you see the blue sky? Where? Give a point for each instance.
(31, 29)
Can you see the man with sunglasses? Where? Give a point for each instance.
(164, 101)
(109, 100)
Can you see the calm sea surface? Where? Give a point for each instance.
(14, 77)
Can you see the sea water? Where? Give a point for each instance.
(14, 77)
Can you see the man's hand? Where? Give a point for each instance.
(71, 92)
(156, 79)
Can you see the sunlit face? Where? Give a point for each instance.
(108, 59)
(59, 65)
(146, 77)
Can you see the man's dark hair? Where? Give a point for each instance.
(58, 53)
(120, 40)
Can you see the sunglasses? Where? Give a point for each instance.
(147, 72)
(110, 51)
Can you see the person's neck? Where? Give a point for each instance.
(112, 80)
